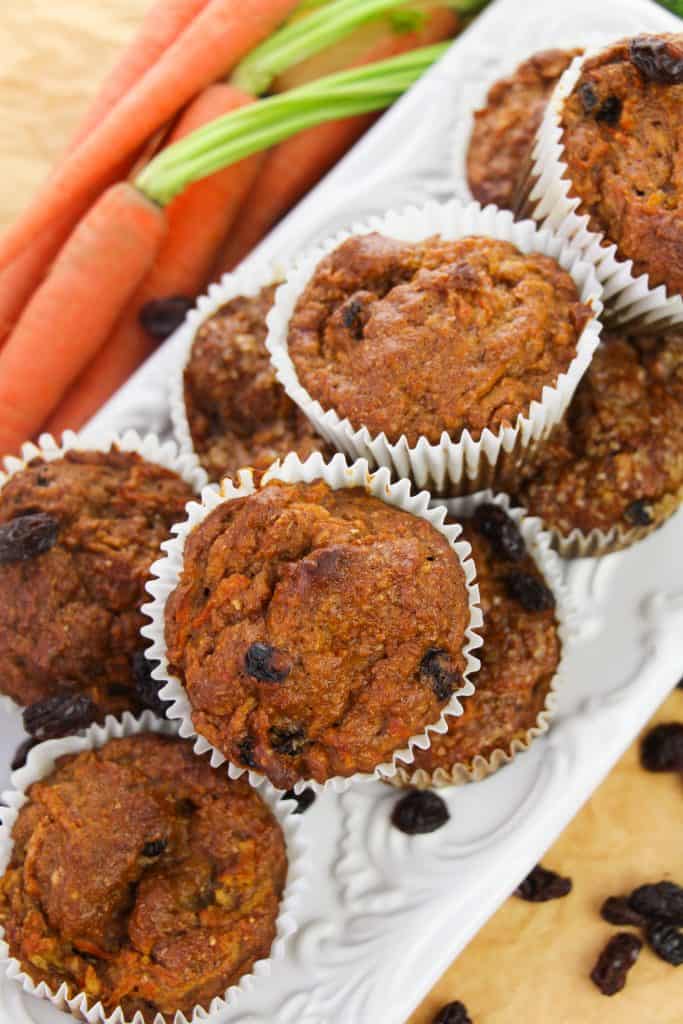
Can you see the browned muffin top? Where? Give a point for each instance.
(70, 610)
(418, 339)
(505, 129)
(521, 649)
(142, 877)
(617, 460)
(239, 414)
(316, 630)
(622, 129)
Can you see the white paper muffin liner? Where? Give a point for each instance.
(546, 197)
(452, 466)
(247, 280)
(149, 446)
(539, 546)
(40, 763)
(338, 475)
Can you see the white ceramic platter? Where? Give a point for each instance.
(385, 914)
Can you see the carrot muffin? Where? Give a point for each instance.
(238, 413)
(315, 630)
(504, 130)
(77, 538)
(617, 458)
(142, 877)
(622, 126)
(521, 649)
(418, 339)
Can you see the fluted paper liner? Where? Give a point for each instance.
(148, 446)
(337, 474)
(41, 761)
(453, 465)
(546, 197)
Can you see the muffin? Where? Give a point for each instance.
(418, 339)
(77, 537)
(519, 658)
(316, 631)
(504, 130)
(237, 412)
(616, 463)
(143, 878)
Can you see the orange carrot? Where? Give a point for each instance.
(208, 48)
(292, 168)
(66, 322)
(197, 224)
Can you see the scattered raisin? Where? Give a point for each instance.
(609, 110)
(288, 739)
(304, 799)
(588, 97)
(437, 666)
(530, 592)
(541, 885)
(147, 688)
(22, 752)
(666, 941)
(27, 537)
(660, 60)
(161, 317)
(661, 749)
(266, 663)
(453, 1013)
(663, 901)
(352, 318)
(615, 961)
(246, 751)
(638, 513)
(155, 848)
(59, 715)
(493, 522)
(419, 812)
(618, 910)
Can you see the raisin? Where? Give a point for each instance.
(161, 317)
(22, 752)
(666, 941)
(615, 961)
(661, 749)
(27, 537)
(464, 277)
(618, 910)
(288, 739)
(443, 678)
(266, 663)
(541, 885)
(453, 1013)
(146, 688)
(638, 513)
(155, 848)
(304, 799)
(609, 110)
(663, 901)
(246, 751)
(419, 812)
(588, 97)
(352, 318)
(530, 592)
(59, 715)
(660, 60)
(493, 522)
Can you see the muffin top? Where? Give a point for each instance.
(142, 877)
(239, 414)
(504, 130)
(622, 129)
(521, 648)
(617, 458)
(316, 630)
(70, 597)
(418, 339)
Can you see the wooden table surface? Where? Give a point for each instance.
(530, 963)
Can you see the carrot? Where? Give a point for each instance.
(66, 321)
(291, 169)
(197, 224)
(208, 48)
